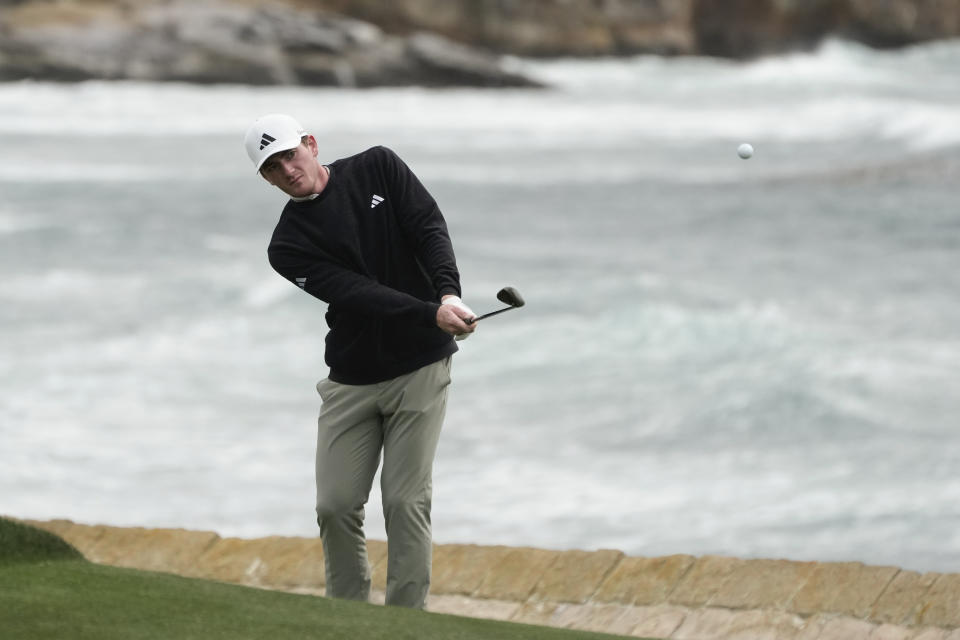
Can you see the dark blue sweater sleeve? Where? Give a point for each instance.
(348, 291)
(423, 226)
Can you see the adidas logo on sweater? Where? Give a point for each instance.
(376, 200)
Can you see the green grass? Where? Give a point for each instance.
(47, 590)
(21, 543)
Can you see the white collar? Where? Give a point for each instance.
(313, 195)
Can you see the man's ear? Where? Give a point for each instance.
(265, 177)
(311, 143)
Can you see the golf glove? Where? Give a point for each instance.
(457, 302)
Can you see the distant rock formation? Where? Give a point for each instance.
(749, 28)
(895, 23)
(367, 43)
(724, 28)
(230, 43)
(539, 28)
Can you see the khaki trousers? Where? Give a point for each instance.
(402, 417)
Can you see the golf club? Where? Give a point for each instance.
(508, 296)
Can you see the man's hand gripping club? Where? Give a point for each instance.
(453, 317)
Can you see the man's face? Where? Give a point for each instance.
(296, 171)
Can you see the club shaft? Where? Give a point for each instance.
(492, 313)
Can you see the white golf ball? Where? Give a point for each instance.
(745, 151)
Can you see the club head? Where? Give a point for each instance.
(510, 296)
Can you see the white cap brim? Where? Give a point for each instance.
(279, 146)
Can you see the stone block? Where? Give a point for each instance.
(231, 560)
(704, 580)
(294, 562)
(901, 601)
(941, 605)
(516, 574)
(538, 613)
(643, 581)
(618, 619)
(892, 632)
(762, 584)
(574, 576)
(812, 627)
(712, 623)
(660, 621)
(602, 618)
(377, 559)
(458, 605)
(844, 628)
(629, 620)
(461, 569)
(167, 550)
(848, 588)
(931, 634)
(274, 562)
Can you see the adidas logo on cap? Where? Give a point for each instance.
(266, 140)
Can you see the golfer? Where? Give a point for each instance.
(363, 235)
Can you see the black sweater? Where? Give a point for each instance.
(375, 247)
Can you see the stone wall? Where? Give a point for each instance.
(679, 597)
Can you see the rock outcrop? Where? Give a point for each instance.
(231, 43)
(539, 28)
(748, 28)
(726, 28)
(421, 42)
(894, 23)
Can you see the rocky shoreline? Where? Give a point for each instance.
(231, 43)
(367, 43)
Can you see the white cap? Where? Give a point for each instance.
(270, 134)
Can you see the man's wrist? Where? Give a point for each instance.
(430, 317)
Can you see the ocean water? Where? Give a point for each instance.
(756, 358)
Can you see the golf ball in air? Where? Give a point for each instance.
(745, 151)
